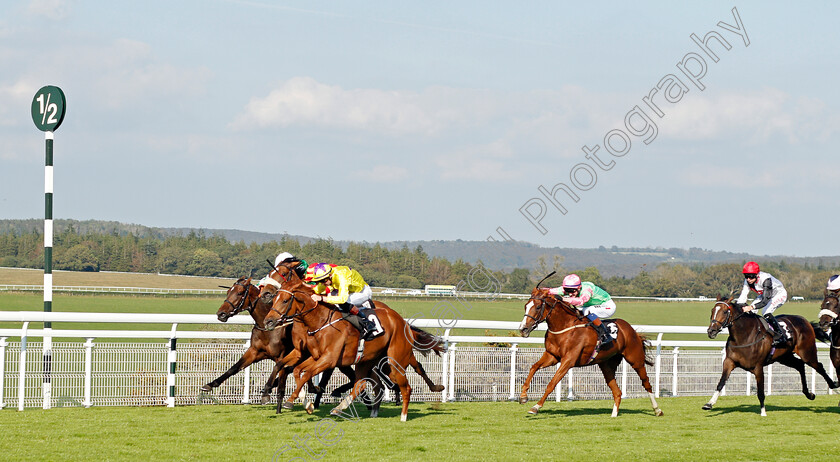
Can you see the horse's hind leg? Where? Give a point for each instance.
(608, 368)
(637, 361)
(809, 357)
(728, 366)
(793, 362)
(418, 368)
(547, 359)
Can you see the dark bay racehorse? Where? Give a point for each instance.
(265, 344)
(750, 346)
(829, 315)
(386, 356)
(572, 343)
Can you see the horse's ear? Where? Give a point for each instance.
(721, 298)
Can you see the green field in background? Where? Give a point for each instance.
(635, 312)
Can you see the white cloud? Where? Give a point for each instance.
(714, 176)
(52, 9)
(491, 162)
(15, 98)
(755, 116)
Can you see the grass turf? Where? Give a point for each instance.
(793, 430)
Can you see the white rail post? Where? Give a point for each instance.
(571, 382)
(624, 367)
(22, 366)
(513, 349)
(172, 358)
(444, 370)
(557, 396)
(748, 383)
(2, 371)
(675, 377)
(658, 364)
(88, 371)
(769, 380)
(246, 390)
(452, 350)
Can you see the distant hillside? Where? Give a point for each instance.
(612, 261)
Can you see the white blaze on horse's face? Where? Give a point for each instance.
(525, 318)
(714, 315)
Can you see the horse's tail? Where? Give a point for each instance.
(646, 345)
(820, 334)
(424, 342)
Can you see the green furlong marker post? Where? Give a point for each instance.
(48, 109)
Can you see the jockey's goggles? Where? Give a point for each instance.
(570, 290)
(750, 275)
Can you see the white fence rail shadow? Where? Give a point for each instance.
(97, 371)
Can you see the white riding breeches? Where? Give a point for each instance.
(778, 300)
(604, 310)
(359, 298)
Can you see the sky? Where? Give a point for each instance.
(383, 121)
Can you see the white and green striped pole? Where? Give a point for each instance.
(48, 108)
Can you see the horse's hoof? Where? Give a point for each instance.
(436, 388)
(288, 406)
(659, 413)
(310, 408)
(206, 387)
(335, 411)
(335, 393)
(707, 407)
(523, 399)
(264, 399)
(810, 396)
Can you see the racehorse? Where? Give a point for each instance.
(750, 346)
(570, 342)
(387, 355)
(829, 315)
(265, 343)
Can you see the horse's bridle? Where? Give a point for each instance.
(834, 316)
(544, 300)
(284, 315)
(241, 306)
(728, 322)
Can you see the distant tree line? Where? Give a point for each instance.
(200, 255)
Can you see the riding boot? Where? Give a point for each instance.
(778, 333)
(603, 335)
(368, 328)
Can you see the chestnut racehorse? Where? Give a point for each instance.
(750, 346)
(265, 343)
(829, 315)
(571, 342)
(387, 355)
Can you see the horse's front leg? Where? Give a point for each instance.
(567, 363)
(251, 356)
(728, 366)
(759, 384)
(265, 396)
(546, 360)
(309, 369)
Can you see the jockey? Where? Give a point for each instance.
(345, 288)
(771, 295)
(833, 283)
(285, 257)
(594, 302)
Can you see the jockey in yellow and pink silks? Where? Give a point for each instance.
(345, 288)
(594, 302)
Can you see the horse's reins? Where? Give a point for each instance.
(834, 317)
(543, 303)
(728, 323)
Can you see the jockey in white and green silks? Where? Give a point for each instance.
(594, 302)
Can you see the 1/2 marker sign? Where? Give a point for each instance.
(48, 108)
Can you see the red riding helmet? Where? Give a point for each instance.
(751, 268)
